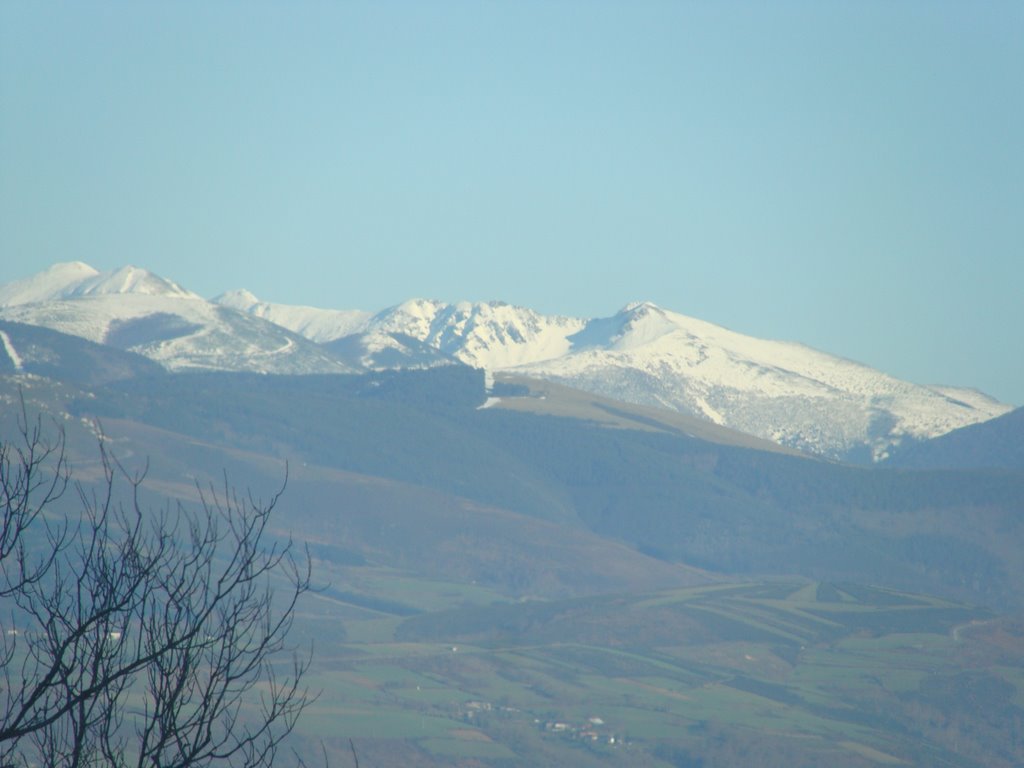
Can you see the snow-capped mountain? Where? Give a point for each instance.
(419, 332)
(782, 391)
(318, 325)
(75, 279)
(492, 335)
(778, 390)
(50, 284)
(136, 310)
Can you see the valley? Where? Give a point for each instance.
(512, 571)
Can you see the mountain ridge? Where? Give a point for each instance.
(781, 391)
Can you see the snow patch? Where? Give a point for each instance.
(710, 413)
(10, 350)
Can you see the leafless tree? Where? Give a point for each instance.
(137, 636)
(33, 475)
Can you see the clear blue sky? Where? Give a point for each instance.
(846, 174)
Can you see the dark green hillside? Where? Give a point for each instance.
(69, 359)
(740, 510)
(994, 444)
(350, 519)
(394, 425)
(714, 505)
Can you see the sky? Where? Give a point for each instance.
(845, 174)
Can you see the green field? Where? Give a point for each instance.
(784, 670)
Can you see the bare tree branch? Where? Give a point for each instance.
(151, 637)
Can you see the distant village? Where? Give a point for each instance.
(594, 730)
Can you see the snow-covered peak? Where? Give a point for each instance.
(319, 325)
(134, 309)
(240, 299)
(414, 317)
(130, 280)
(75, 279)
(489, 335)
(52, 283)
(642, 323)
(783, 391)
(635, 306)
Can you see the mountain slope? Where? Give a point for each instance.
(994, 444)
(716, 505)
(319, 325)
(780, 391)
(543, 397)
(135, 310)
(775, 390)
(492, 335)
(55, 282)
(29, 349)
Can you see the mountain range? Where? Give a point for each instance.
(492, 476)
(780, 391)
(513, 571)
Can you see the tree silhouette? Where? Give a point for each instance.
(140, 637)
